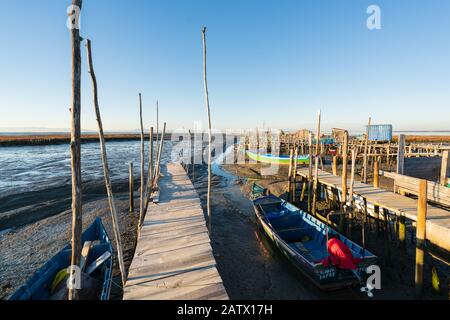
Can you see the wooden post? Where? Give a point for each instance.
(316, 166)
(402, 231)
(208, 111)
(131, 184)
(149, 185)
(365, 152)
(401, 154)
(344, 181)
(334, 166)
(352, 175)
(376, 174)
(294, 176)
(310, 172)
(421, 235)
(141, 200)
(158, 159)
(291, 157)
(75, 147)
(388, 153)
(112, 205)
(157, 125)
(444, 168)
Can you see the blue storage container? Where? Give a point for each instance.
(380, 132)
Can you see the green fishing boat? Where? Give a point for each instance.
(269, 158)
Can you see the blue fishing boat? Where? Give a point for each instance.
(323, 255)
(45, 281)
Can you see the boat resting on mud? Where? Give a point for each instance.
(269, 158)
(311, 246)
(49, 282)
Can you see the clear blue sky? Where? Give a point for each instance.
(272, 61)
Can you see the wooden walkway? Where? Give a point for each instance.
(173, 258)
(438, 220)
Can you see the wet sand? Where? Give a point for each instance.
(25, 249)
(250, 266)
(397, 275)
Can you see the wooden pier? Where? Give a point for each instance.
(438, 220)
(173, 258)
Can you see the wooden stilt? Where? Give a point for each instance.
(316, 165)
(75, 149)
(334, 166)
(365, 152)
(131, 187)
(421, 236)
(141, 199)
(112, 205)
(376, 174)
(208, 205)
(310, 172)
(294, 176)
(344, 183)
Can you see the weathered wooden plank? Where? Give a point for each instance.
(173, 258)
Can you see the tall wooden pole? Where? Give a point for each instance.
(401, 154)
(208, 111)
(444, 168)
(112, 205)
(75, 148)
(158, 161)
(421, 235)
(366, 145)
(149, 186)
(376, 174)
(310, 172)
(291, 157)
(344, 180)
(316, 165)
(141, 200)
(294, 175)
(131, 187)
(157, 125)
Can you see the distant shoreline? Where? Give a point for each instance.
(17, 139)
(51, 139)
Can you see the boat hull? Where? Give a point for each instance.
(326, 278)
(38, 286)
(284, 160)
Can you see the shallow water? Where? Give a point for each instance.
(36, 180)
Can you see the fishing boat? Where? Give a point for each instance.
(281, 159)
(311, 245)
(49, 282)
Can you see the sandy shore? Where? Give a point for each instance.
(25, 249)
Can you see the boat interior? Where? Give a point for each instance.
(302, 232)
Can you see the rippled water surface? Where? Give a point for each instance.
(31, 168)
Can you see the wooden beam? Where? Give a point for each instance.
(444, 168)
(365, 152)
(401, 154)
(421, 236)
(334, 166)
(112, 205)
(310, 172)
(316, 166)
(131, 187)
(141, 198)
(208, 113)
(376, 172)
(344, 181)
(75, 146)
